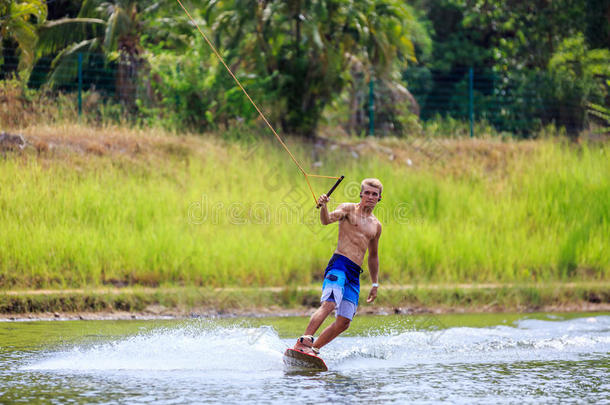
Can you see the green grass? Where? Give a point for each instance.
(204, 212)
(530, 297)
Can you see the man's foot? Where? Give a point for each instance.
(305, 344)
(307, 350)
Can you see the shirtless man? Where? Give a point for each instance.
(359, 230)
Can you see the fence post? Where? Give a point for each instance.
(80, 84)
(176, 98)
(371, 107)
(471, 100)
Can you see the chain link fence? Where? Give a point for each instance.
(519, 103)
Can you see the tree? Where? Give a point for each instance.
(109, 27)
(307, 47)
(509, 43)
(18, 20)
(579, 78)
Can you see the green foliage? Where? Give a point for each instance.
(194, 90)
(597, 31)
(65, 38)
(510, 45)
(579, 77)
(18, 20)
(602, 114)
(523, 34)
(536, 63)
(111, 28)
(306, 48)
(394, 115)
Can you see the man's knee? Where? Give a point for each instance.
(327, 306)
(342, 323)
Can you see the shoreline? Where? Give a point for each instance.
(173, 302)
(148, 316)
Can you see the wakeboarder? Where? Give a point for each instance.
(359, 231)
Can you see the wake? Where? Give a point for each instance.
(204, 347)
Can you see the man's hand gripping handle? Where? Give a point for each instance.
(331, 190)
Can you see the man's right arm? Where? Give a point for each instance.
(326, 217)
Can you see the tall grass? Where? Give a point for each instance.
(162, 210)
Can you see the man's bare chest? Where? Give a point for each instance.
(356, 225)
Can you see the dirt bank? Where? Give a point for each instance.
(161, 312)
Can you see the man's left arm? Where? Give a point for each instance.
(374, 264)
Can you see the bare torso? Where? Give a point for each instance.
(356, 230)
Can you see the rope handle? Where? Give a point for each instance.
(332, 189)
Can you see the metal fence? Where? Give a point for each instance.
(518, 104)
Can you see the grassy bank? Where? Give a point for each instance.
(92, 207)
(398, 299)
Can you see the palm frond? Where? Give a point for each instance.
(110, 37)
(65, 64)
(24, 10)
(74, 20)
(19, 22)
(601, 112)
(25, 35)
(89, 8)
(56, 35)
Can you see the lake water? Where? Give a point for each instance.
(490, 358)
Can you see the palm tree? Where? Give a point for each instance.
(109, 27)
(18, 20)
(309, 46)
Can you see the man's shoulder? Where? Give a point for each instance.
(347, 206)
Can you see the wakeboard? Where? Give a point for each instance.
(295, 359)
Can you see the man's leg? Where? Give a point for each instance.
(319, 317)
(332, 331)
(345, 313)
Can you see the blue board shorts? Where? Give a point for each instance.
(342, 285)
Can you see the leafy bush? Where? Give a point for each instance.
(193, 90)
(579, 76)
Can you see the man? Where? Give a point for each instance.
(359, 230)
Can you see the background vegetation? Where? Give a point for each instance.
(308, 63)
(112, 197)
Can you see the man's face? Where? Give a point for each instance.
(369, 196)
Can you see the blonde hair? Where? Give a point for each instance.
(372, 183)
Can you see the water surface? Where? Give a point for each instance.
(491, 358)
